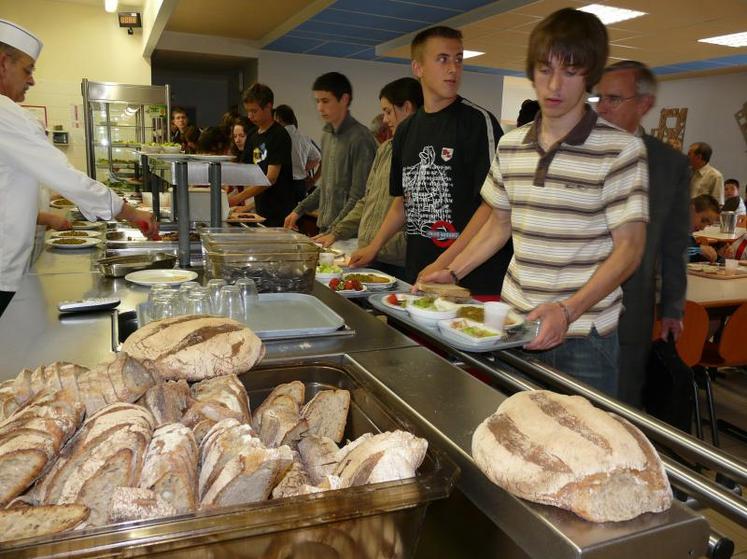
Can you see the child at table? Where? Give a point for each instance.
(704, 211)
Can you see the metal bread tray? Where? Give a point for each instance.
(120, 266)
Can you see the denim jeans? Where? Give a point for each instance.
(592, 359)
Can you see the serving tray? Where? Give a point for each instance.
(397, 286)
(514, 338)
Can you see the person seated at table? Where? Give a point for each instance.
(704, 211)
(733, 202)
(399, 99)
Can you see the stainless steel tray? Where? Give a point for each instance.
(120, 266)
(513, 338)
(384, 519)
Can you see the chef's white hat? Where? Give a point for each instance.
(18, 37)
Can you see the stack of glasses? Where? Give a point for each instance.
(216, 298)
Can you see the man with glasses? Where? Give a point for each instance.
(627, 91)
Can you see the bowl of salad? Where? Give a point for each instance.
(150, 148)
(326, 272)
(429, 310)
(171, 147)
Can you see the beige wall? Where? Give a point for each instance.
(80, 41)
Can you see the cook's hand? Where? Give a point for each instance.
(709, 253)
(57, 222)
(553, 326)
(672, 326)
(145, 221)
(290, 220)
(362, 257)
(325, 239)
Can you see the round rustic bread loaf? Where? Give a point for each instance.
(195, 347)
(562, 451)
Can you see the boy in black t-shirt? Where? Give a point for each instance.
(440, 158)
(270, 148)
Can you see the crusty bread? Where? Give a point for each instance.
(282, 425)
(227, 390)
(202, 416)
(32, 522)
(224, 442)
(170, 467)
(195, 347)
(327, 413)
(560, 450)
(450, 290)
(167, 401)
(293, 394)
(136, 503)
(319, 456)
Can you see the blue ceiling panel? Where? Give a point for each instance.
(412, 12)
(368, 22)
(708, 64)
(458, 5)
(338, 49)
(299, 34)
(335, 30)
(288, 43)
(734, 60)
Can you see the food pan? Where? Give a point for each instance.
(120, 266)
(381, 520)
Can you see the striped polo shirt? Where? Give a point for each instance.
(564, 203)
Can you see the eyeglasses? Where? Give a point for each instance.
(613, 100)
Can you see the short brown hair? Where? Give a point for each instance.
(258, 93)
(576, 38)
(705, 202)
(418, 43)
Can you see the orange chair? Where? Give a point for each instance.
(731, 349)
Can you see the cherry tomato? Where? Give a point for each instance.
(392, 299)
(349, 285)
(334, 283)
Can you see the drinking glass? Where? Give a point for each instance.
(213, 287)
(231, 304)
(165, 305)
(198, 302)
(248, 290)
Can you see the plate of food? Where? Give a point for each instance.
(346, 287)
(476, 313)
(81, 234)
(152, 277)
(245, 217)
(84, 224)
(61, 204)
(397, 301)
(326, 272)
(428, 310)
(372, 280)
(470, 331)
(72, 242)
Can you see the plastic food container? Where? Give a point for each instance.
(378, 520)
(276, 259)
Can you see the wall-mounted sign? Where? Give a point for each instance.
(130, 19)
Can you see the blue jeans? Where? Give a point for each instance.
(592, 359)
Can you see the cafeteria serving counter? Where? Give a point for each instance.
(443, 403)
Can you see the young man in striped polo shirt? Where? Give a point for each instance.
(571, 190)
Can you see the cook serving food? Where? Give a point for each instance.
(27, 159)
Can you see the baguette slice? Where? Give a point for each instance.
(450, 290)
(167, 401)
(32, 522)
(319, 456)
(136, 503)
(327, 413)
(292, 393)
(227, 390)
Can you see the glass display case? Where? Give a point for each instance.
(119, 118)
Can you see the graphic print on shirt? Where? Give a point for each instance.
(428, 202)
(259, 154)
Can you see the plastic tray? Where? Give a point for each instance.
(377, 520)
(397, 286)
(514, 338)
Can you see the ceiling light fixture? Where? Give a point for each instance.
(735, 40)
(610, 14)
(111, 5)
(471, 54)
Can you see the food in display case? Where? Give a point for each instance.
(562, 451)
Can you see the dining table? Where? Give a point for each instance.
(714, 293)
(713, 234)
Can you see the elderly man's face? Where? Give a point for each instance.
(619, 102)
(16, 75)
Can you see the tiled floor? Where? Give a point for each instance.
(730, 396)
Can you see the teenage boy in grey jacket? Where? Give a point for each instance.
(348, 150)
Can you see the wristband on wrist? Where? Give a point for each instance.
(453, 275)
(566, 312)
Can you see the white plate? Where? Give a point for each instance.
(427, 316)
(513, 320)
(447, 327)
(401, 296)
(169, 156)
(324, 278)
(87, 243)
(153, 277)
(80, 234)
(207, 157)
(78, 226)
(347, 291)
(373, 286)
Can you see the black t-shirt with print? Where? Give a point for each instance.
(273, 147)
(439, 163)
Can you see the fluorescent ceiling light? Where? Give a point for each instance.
(111, 5)
(733, 40)
(471, 53)
(610, 14)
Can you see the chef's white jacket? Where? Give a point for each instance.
(27, 159)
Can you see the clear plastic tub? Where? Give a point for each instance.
(381, 520)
